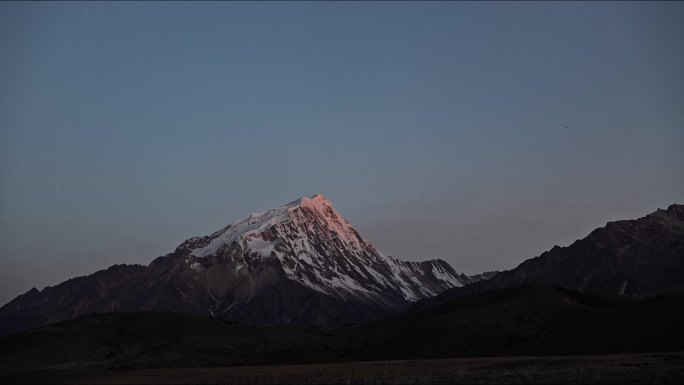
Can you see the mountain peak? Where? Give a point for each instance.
(260, 222)
(319, 197)
(316, 247)
(315, 200)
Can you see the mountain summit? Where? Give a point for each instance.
(312, 244)
(301, 263)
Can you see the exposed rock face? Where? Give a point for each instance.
(630, 257)
(301, 263)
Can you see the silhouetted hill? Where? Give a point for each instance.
(528, 320)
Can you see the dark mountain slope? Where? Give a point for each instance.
(630, 257)
(529, 320)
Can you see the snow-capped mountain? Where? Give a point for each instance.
(314, 246)
(301, 263)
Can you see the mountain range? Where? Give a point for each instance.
(290, 285)
(301, 263)
(304, 264)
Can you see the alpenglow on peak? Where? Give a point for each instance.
(317, 248)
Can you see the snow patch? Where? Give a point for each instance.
(196, 266)
(440, 273)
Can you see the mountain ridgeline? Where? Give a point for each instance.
(301, 263)
(642, 257)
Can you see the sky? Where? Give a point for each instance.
(479, 133)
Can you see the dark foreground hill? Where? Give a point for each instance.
(521, 321)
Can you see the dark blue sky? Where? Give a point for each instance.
(481, 133)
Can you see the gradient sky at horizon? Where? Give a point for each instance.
(480, 133)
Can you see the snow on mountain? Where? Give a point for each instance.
(318, 248)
